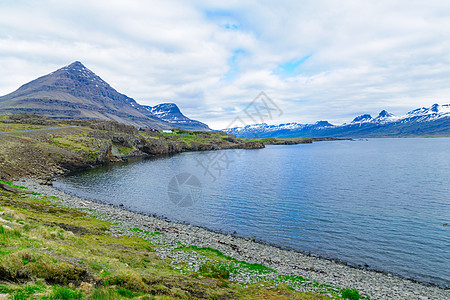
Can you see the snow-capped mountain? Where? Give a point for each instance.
(170, 113)
(434, 120)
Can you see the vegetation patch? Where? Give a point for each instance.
(352, 294)
(18, 187)
(219, 256)
(125, 150)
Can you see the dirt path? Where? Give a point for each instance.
(40, 129)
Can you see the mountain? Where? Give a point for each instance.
(434, 120)
(170, 113)
(75, 92)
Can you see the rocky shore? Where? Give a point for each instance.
(372, 284)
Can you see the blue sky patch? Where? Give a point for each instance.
(291, 67)
(233, 64)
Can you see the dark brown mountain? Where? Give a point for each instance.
(75, 92)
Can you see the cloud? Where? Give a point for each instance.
(319, 60)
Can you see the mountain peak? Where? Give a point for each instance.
(434, 108)
(78, 72)
(172, 107)
(75, 64)
(385, 114)
(323, 124)
(362, 118)
(171, 113)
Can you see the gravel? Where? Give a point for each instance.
(376, 285)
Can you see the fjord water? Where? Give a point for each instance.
(380, 203)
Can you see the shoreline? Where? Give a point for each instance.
(376, 284)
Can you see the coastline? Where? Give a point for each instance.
(374, 284)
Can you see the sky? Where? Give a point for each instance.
(316, 60)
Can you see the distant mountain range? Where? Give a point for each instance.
(75, 92)
(434, 120)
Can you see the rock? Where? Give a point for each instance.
(253, 145)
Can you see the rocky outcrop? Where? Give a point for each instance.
(253, 145)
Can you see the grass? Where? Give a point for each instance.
(351, 294)
(188, 137)
(125, 150)
(215, 270)
(18, 187)
(7, 234)
(78, 142)
(18, 126)
(146, 232)
(51, 252)
(219, 256)
(64, 293)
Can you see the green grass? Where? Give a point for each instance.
(125, 150)
(18, 187)
(146, 232)
(217, 255)
(64, 293)
(79, 143)
(188, 137)
(351, 294)
(7, 234)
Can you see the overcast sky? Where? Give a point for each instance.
(317, 60)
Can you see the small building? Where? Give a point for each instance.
(167, 131)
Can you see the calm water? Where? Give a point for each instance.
(381, 202)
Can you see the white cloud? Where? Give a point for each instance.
(212, 58)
